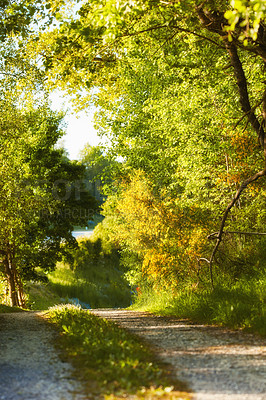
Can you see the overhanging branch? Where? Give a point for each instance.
(215, 234)
(228, 209)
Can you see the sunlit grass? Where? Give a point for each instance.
(240, 305)
(40, 296)
(114, 363)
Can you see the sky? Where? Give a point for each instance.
(79, 130)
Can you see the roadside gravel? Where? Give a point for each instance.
(216, 363)
(30, 368)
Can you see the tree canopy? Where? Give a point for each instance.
(42, 195)
(180, 91)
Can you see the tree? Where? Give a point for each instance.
(20, 18)
(166, 236)
(38, 205)
(42, 192)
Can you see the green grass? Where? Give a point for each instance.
(40, 296)
(99, 287)
(240, 305)
(91, 272)
(113, 362)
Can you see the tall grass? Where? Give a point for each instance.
(40, 296)
(96, 288)
(91, 274)
(9, 309)
(236, 305)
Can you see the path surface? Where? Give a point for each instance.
(30, 368)
(217, 364)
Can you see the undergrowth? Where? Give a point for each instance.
(40, 296)
(113, 362)
(235, 305)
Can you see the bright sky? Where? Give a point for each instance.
(79, 130)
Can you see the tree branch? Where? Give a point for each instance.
(220, 233)
(214, 234)
(248, 112)
(246, 233)
(243, 92)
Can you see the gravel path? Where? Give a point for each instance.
(217, 364)
(30, 368)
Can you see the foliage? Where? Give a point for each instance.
(161, 240)
(97, 163)
(171, 81)
(180, 91)
(248, 15)
(100, 170)
(162, 234)
(108, 356)
(20, 18)
(42, 191)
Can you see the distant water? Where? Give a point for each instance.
(87, 233)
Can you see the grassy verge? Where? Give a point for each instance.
(240, 305)
(114, 363)
(97, 288)
(8, 309)
(40, 296)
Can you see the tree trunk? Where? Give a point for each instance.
(214, 22)
(15, 288)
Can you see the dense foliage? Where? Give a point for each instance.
(42, 192)
(40, 201)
